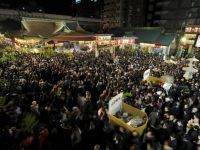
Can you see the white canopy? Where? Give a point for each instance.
(193, 59)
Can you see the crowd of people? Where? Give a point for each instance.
(69, 98)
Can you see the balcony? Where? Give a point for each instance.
(161, 12)
(163, 3)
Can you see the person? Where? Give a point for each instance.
(70, 98)
(97, 147)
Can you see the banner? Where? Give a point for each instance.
(167, 86)
(168, 78)
(96, 52)
(115, 104)
(190, 49)
(146, 74)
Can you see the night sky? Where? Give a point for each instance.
(66, 7)
(48, 6)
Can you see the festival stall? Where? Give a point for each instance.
(153, 48)
(5, 43)
(191, 32)
(59, 35)
(1, 35)
(87, 45)
(103, 42)
(62, 46)
(124, 42)
(52, 44)
(152, 39)
(27, 44)
(146, 47)
(76, 40)
(126, 116)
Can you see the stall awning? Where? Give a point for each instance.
(42, 28)
(151, 35)
(165, 39)
(46, 28)
(146, 35)
(74, 36)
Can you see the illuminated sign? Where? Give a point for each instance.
(125, 41)
(192, 29)
(103, 40)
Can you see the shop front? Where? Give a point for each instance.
(124, 42)
(147, 47)
(190, 39)
(103, 43)
(5, 43)
(26, 44)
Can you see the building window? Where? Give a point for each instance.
(161, 12)
(148, 24)
(149, 17)
(150, 8)
(190, 15)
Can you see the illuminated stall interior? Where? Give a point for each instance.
(124, 42)
(191, 33)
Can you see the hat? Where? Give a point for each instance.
(158, 92)
(167, 99)
(75, 108)
(34, 103)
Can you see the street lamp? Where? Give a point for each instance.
(183, 39)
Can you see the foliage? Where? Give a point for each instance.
(127, 94)
(24, 50)
(135, 49)
(29, 122)
(8, 57)
(2, 45)
(69, 55)
(3, 85)
(47, 52)
(6, 107)
(2, 101)
(145, 50)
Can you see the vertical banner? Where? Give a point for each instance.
(168, 49)
(146, 74)
(112, 51)
(167, 87)
(190, 49)
(96, 51)
(115, 104)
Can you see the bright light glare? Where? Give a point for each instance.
(183, 39)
